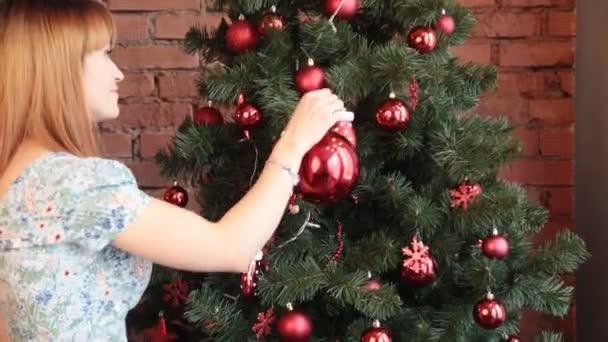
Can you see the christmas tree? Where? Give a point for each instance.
(400, 228)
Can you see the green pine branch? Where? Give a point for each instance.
(548, 295)
(221, 318)
(298, 283)
(348, 289)
(563, 254)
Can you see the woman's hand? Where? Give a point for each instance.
(314, 115)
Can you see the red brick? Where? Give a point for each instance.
(131, 27)
(528, 139)
(540, 172)
(554, 225)
(500, 105)
(176, 26)
(476, 53)
(116, 145)
(153, 5)
(540, 53)
(552, 111)
(534, 323)
(148, 174)
(180, 85)
(529, 84)
(136, 85)
(567, 78)
(154, 56)
(502, 24)
(152, 142)
(477, 3)
(559, 201)
(142, 115)
(537, 3)
(562, 24)
(557, 142)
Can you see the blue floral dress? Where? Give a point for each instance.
(60, 278)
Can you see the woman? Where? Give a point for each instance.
(77, 236)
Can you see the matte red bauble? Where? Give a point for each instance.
(241, 36)
(294, 326)
(309, 78)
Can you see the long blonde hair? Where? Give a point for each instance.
(42, 45)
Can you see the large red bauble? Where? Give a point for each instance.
(345, 130)
(446, 24)
(176, 195)
(208, 116)
(347, 11)
(495, 246)
(513, 338)
(489, 313)
(422, 38)
(241, 36)
(376, 334)
(270, 21)
(294, 326)
(247, 115)
(393, 115)
(309, 78)
(329, 170)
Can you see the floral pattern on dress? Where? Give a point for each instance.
(60, 277)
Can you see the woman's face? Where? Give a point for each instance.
(100, 80)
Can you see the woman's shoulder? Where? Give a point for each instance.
(65, 167)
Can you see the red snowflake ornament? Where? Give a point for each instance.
(176, 292)
(264, 325)
(464, 194)
(419, 267)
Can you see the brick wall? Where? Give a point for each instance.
(532, 42)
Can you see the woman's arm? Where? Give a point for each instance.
(3, 330)
(177, 238)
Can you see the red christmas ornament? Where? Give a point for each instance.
(373, 284)
(422, 38)
(246, 115)
(376, 334)
(293, 206)
(345, 130)
(445, 23)
(419, 267)
(271, 21)
(176, 292)
(159, 332)
(464, 194)
(339, 249)
(393, 114)
(513, 338)
(241, 36)
(264, 324)
(489, 313)
(176, 195)
(348, 10)
(309, 78)
(249, 279)
(208, 115)
(294, 326)
(495, 246)
(329, 170)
